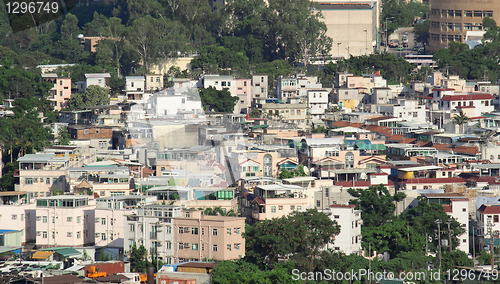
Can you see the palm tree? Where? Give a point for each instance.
(460, 119)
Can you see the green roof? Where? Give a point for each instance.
(488, 115)
(259, 126)
(363, 146)
(68, 252)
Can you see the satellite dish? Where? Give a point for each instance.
(306, 170)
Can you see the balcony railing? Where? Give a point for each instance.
(153, 235)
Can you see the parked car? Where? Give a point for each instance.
(394, 43)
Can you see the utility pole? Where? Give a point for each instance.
(338, 50)
(366, 42)
(449, 234)
(439, 222)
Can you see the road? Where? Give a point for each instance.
(411, 43)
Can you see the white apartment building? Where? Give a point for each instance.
(152, 227)
(99, 79)
(110, 217)
(134, 87)
(318, 103)
(63, 220)
(161, 105)
(260, 86)
(13, 217)
(406, 110)
(443, 104)
(349, 220)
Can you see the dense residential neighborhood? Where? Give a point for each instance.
(277, 141)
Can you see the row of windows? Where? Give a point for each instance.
(41, 179)
(280, 207)
(460, 13)
(214, 247)
(44, 219)
(446, 38)
(457, 26)
(194, 231)
(103, 236)
(103, 221)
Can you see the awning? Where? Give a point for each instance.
(259, 126)
(42, 254)
(68, 252)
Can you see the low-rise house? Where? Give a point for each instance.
(134, 88)
(99, 79)
(99, 137)
(41, 173)
(106, 180)
(154, 82)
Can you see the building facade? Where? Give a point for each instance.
(450, 20)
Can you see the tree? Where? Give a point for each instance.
(62, 136)
(229, 272)
(69, 27)
(376, 204)
(299, 236)
(460, 119)
(297, 172)
(421, 32)
(93, 96)
(138, 259)
(219, 101)
(219, 211)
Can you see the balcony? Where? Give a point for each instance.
(259, 216)
(153, 235)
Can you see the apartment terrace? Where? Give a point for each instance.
(43, 162)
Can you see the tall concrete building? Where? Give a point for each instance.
(451, 20)
(352, 25)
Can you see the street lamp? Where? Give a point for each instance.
(366, 42)
(439, 222)
(386, 35)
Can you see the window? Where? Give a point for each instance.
(28, 181)
(44, 219)
(181, 230)
(464, 210)
(103, 236)
(70, 234)
(237, 231)
(292, 207)
(458, 13)
(349, 160)
(214, 248)
(53, 235)
(14, 216)
(468, 13)
(202, 231)
(181, 246)
(69, 219)
(488, 14)
(22, 217)
(44, 234)
(132, 84)
(228, 231)
(229, 247)
(336, 216)
(273, 209)
(168, 245)
(223, 83)
(214, 232)
(478, 14)
(318, 203)
(280, 207)
(194, 246)
(103, 221)
(131, 227)
(188, 214)
(299, 207)
(495, 218)
(78, 219)
(47, 181)
(194, 231)
(169, 230)
(97, 220)
(464, 240)
(467, 27)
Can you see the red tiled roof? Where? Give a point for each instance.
(434, 180)
(259, 200)
(342, 206)
(356, 183)
(441, 89)
(249, 160)
(221, 167)
(356, 124)
(447, 208)
(408, 140)
(466, 150)
(341, 123)
(372, 158)
(442, 147)
(395, 137)
(489, 209)
(422, 143)
(467, 97)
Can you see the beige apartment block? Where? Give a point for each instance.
(450, 20)
(199, 237)
(60, 92)
(60, 221)
(39, 173)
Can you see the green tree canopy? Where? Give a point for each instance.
(93, 96)
(300, 236)
(220, 101)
